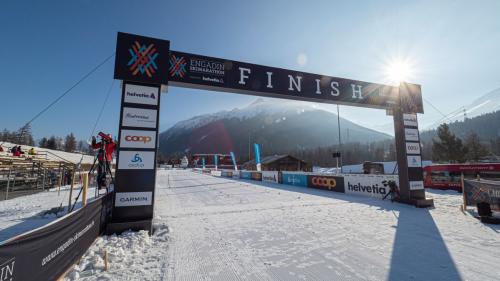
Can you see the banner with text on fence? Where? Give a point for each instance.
(47, 252)
(482, 191)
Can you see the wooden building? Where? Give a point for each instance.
(282, 162)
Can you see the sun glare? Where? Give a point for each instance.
(398, 70)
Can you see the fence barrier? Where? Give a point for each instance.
(479, 191)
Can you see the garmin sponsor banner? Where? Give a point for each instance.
(411, 134)
(141, 94)
(210, 73)
(236, 174)
(294, 179)
(270, 176)
(413, 148)
(416, 185)
(216, 173)
(246, 175)
(256, 176)
(46, 253)
(137, 139)
(136, 160)
(410, 120)
(414, 161)
(482, 191)
(139, 117)
(326, 182)
(127, 199)
(367, 185)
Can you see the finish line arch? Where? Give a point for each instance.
(147, 67)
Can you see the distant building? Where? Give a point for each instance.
(282, 162)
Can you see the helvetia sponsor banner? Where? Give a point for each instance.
(367, 185)
(411, 134)
(414, 161)
(416, 185)
(139, 117)
(141, 94)
(294, 179)
(127, 199)
(410, 120)
(413, 148)
(137, 139)
(326, 182)
(270, 176)
(136, 160)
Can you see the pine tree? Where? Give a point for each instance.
(43, 142)
(24, 136)
(70, 143)
(476, 150)
(52, 143)
(447, 148)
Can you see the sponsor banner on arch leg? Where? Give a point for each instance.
(141, 94)
(137, 139)
(136, 160)
(367, 185)
(326, 182)
(270, 176)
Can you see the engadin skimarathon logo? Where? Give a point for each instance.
(7, 270)
(177, 66)
(374, 188)
(136, 162)
(142, 59)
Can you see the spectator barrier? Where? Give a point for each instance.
(46, 253)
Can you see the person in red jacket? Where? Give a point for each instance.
(104, 157)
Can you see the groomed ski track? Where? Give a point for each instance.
(224, 229)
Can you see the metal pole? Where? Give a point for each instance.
(43, 182)
(340, 140)
(71, 188)
(8, 183)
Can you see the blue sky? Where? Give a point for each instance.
(48, 45)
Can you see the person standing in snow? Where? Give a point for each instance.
(106, 148)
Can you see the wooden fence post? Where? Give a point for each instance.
(71, 188)
(464, 198)
(8, 184)
(85, 187)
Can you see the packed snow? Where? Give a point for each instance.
(210, 228)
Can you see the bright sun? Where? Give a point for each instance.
(398, 70)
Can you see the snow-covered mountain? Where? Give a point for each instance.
(277, 125)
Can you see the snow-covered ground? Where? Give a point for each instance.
(25, 213)
(50, 154)
(211, 228)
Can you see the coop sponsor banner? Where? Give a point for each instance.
(326, 182)
(413, 148)
(482, 191)
(294, 179)
(139, 117)
(210, 73)
(256, 176)
(137, 139)
(246, 175)
(410, 120)
(270, 176)
(414, 161)
(367, 185)
(141, 94)
(227, 174)
(127, 199)
(136, 160)
(411, 134)
(49, 251)
(215, 173)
